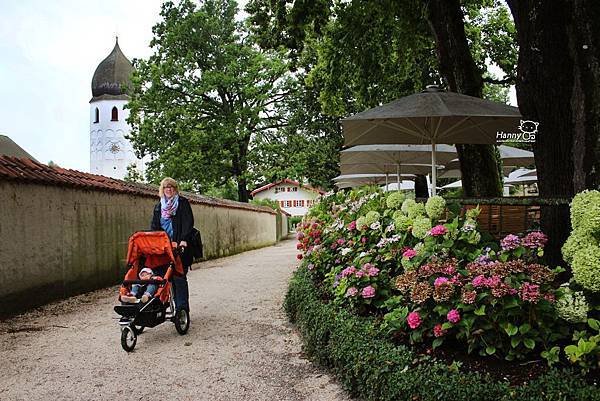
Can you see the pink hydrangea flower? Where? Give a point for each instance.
(351, 292)
(493, 281)
(341, 241)
(300, 235)
(359, 273)
(550, 298)
(440, 280)
(409, 253)
(479, 281)
(348, 271)
(363, 240)
(371, 270)
(299, 256)
(438, 230)
(299, 245)
(352, 225)
(414, 320)
(535, 239)
(368, 292)
(438, 331)
(510, 242)
(453, 316)
(530, 292)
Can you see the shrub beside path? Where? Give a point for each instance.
(239, 347)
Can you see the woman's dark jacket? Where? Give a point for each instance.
(183, 223)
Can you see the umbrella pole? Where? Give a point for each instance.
(386, 182)
(433, 170)
(398, 176)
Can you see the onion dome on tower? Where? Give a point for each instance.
(111, 153)
(112, 76)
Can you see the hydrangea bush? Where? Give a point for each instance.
(430, 274)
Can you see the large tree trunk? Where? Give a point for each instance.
(558, 86)
(421, 190)
(478, 162)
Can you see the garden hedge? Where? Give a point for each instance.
(373, 368)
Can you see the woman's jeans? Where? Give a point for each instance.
(182, 294)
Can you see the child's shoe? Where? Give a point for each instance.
(129, 299)
(146, 298)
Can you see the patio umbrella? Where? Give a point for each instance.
(378, 158)
(431, 117)
(405, 185)
(511, 157)
(356, 180)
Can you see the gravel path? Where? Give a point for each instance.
(239, 347)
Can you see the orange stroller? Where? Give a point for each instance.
(152, 249)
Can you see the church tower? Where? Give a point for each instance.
(110, 151)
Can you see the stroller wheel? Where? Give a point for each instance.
(138, 329)
(128, 338)
(182, 321)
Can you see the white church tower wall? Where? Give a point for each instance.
(110, 152)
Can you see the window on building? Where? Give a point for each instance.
(302, 203)
(96, 115)
(288, 203)
(114, 114)
(293, 189)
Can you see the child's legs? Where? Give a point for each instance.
(151, 289)
(136, 289)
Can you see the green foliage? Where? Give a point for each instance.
(199, 99)
(371, 367)
(133, 174)
(273, 204)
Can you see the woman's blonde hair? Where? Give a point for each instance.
(167, 181)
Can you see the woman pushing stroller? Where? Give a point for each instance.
(173, 214)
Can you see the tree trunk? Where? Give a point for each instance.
(421, 190)
(479, 170)
(558, 85)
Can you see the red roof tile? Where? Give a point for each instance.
(27, 170)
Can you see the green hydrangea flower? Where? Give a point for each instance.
(361, 222)
(577, 241)
(473, 213)
(401, 221)
(421, 227)
(372, 217)
(394, 200)
(416, 210)
(585, 211)
(586, 268)
(406, 204)
(419, 248)
(435, 207)
(572, 306)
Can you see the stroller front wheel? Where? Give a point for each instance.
(182, 321)
(128, 338)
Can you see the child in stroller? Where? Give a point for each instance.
(149, 289)
(150, 252)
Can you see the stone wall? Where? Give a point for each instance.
(58, 241)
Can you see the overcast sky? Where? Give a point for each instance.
(48, 53)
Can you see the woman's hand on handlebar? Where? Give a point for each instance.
(182, 246)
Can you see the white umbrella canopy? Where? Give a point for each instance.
(356, 180)
(405, 185)
(431, 117)
(376, 168)
(511, 157)
(521, 176)
(396, 154)
(455, 184)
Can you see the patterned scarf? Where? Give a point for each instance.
(168, 207)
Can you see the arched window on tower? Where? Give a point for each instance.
(97, 116)
(115, 114)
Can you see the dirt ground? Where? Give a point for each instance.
(239, 346)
